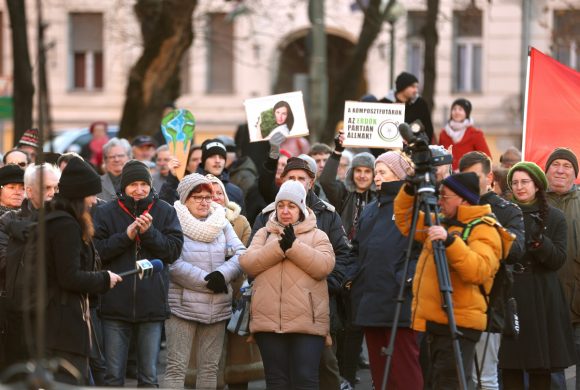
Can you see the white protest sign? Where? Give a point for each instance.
(373, 125)
(276, 113)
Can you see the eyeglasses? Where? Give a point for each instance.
(199, 199)
(523, 182)
(448, 196)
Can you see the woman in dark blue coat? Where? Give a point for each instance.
(545, 343)
(380, 249)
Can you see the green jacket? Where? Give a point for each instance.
(569, 274)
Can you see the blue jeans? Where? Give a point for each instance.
(291, 360)
(117, 337)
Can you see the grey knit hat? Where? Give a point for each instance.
(188, 183)
(363, 159)
(294, 192)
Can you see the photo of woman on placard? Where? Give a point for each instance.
(278, 119)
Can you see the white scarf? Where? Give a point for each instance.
(201, 230)
(456, 130)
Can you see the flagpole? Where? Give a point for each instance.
(525, 120)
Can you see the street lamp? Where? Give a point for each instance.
(395, 12)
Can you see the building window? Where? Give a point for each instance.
(220, 55)
(566, 45)
(416, 21)
(86, 51)
(467, 50)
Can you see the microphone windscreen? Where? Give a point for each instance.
(157, 265)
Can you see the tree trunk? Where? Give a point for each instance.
(167, 30)
(347, 86)
(23, 86)
(431, 41)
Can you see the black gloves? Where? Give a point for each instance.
(216, 282)
(338, 145)
(288, 238)
(536, 232)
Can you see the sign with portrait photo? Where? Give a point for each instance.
(373, 125)
(276, 113)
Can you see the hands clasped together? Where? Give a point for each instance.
(288, 238)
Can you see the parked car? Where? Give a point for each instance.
(73, 140)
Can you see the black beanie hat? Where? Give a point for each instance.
(564, 154)
(11, 173)
(404, 80)
(78, 180)
(210, 147)
(463, 103)
(465, 184)
(135, 170)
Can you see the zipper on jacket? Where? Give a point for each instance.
(311, 306)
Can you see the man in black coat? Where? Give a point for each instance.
(136, 226)
(327, 220)
(407, 92)
(509, 216)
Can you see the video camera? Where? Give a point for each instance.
(418, 147)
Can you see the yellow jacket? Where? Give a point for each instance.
(470, 265)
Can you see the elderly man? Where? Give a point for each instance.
(116, 153)
(136, 226)
(561, 171)
(16, 348)
(11, 188)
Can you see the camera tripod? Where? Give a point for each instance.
(426, 201)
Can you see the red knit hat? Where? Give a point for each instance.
(30, 138)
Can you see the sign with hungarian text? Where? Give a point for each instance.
(373, 125)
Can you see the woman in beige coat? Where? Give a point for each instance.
(290, 259)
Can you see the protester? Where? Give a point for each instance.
(349, 198)
(561, 171)
(407, 92)
(500, 185)
(116, 153)
(162, 158)
(11, 188)
(193, 159)
(442, 171)
(344, 165)
(471, 264)
(17, 157)
(376, 284)
(510, 217)
(28, 143)
(200, 294)
(72, 270)
(213, 160)
(459, 135)
(327, 220)
(136, 226)
(93, 150)
(320, 153)
(510, 157)
(545, 342)
(143, 148)
(289, 260)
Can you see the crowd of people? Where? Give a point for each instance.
(326, 239)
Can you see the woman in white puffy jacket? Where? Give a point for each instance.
(200, 295)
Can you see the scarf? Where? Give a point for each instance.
(201, 230)
(456, 130)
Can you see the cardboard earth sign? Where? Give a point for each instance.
(178, 127)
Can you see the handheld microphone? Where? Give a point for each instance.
(144, 268)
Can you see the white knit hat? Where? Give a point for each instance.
(188, 183)
(215, 180)
(294, 192)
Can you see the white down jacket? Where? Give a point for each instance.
(189, 298)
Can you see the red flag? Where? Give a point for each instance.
(552, 115)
